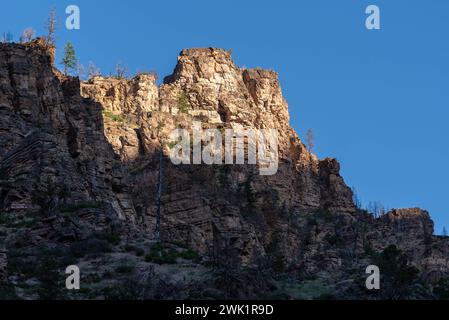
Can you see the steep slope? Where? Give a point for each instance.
(52, 140)
(82, 159)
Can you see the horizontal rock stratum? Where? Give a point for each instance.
(79, 159)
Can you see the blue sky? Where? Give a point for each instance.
(377, 100)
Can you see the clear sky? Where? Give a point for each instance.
(377, 100)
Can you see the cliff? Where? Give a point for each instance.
(79, 165)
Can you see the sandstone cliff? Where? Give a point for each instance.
(82, 158)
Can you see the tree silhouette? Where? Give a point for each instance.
(69, 60)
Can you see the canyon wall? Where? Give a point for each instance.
(82, 157)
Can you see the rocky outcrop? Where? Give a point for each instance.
(53, 151)
(251, 211)
(206, 86)
(78, 158)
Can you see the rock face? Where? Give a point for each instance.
(53, 150)
(126, 107)
(3, 267)
(198, 210)
(78, 158)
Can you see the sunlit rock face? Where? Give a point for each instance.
(206, 86)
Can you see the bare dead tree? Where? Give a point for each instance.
(356, 199)
(92, 70)
(120, 70)
(50, 25)
(376, 208)
(7, 37)
(27, 35)
(80, 70)
(310, 139)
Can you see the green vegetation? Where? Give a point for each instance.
(441, 290)
(125, 269)
(69, 59)
(8, 292)
(92, 246)
(47, 195)
(183, 103)
(161, 254)
(46, 264)
(138, 251)
(93, 278)
(398, 275)
(160, 126)
(114, 117)
(110, 237)
(69, 208)
(171, 144)
(18, 223)
(190, 254)
(368, 250)
(6, 220)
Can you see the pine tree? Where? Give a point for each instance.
(69, 60)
